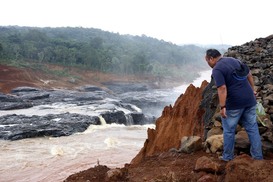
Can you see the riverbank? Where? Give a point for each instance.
(12, 77)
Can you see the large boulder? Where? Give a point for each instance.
(244, 168)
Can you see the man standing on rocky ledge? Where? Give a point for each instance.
(237, 102)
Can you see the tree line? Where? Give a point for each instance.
(99, 50)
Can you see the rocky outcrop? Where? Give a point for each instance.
(183, 119)
(15, 127)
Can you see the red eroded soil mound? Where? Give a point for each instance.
(70, 78)
(12, 77)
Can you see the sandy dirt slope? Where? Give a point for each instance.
(12, 77)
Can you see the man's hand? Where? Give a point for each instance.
(223, 112)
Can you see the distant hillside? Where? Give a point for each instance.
(98, 50)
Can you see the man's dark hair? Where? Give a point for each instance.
(213, 53)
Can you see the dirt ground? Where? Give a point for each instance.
(181, 167)
(167, 166)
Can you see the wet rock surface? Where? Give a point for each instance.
(15, 127)
(92, 102)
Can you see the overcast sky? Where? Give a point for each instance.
(232, 22)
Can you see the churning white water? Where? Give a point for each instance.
(54, 159)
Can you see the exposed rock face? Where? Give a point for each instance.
(183, 119)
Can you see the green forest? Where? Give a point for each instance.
(98, 50)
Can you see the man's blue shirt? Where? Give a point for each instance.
(239, 92)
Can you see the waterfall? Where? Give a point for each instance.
(129, 120)
(102, 120)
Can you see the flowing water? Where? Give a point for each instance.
(52, 159)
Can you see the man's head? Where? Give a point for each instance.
(212, 56)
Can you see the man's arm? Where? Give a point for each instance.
(251, 82)
(222, 95)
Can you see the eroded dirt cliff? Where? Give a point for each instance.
(182, 119)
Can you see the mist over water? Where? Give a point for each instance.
(204, 75)
(54, 159)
